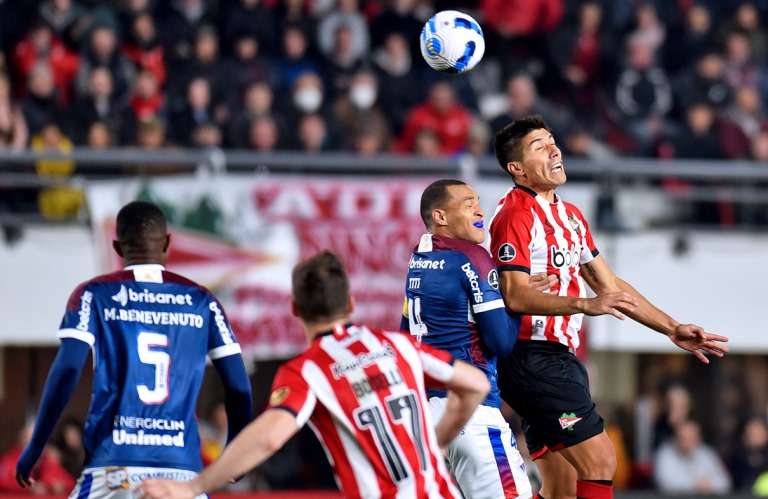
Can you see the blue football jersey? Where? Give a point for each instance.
(453, 303)
(150, 331)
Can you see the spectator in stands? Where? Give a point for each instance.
(308, 97)
(13, 126)
(703, 81)
(263, 134)
(147, 101)
(524, 100)
(184, 116)
(179, 22)
(699, 137)
(347, 15)
(643, 97)
(479, 139)
(517, 32)
(297, 14)
(427, 144)
(313, 135)
(357, 110)
(582, 52)
(648, 28)
(207, 135)
(441, 114)
(143, 48)
(249, 65)
(368, 142)
(56, 202)
(741, 68)
(255, 20)
(744, 119)
(343, 61)
(151, 135)
(257, 103)
(295, 58)
(747, 19)
(99, 137)
(686, 465)
(101, 103)
(750, 457)
(40, 45)
(674, 408)
(690, 42)
(70, 437)
(68, 20)
(759, 146)
(102, 51)
(51, 478)
(399, 83)
(397, 16)
(41, 104)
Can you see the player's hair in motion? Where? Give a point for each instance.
(435, 196)
(320, 288)
(508, 142)
(139, 222)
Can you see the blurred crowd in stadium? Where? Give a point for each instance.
(669, 79)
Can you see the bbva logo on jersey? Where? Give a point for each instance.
(563, 257)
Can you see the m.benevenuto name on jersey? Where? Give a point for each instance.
(154, 317)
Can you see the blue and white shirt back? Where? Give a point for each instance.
(150, 331)
(453, 303)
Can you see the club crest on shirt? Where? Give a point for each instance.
(493, 279)
(279, 395)
(506, 252)
(575, 224)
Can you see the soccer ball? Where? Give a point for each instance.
(452, 42)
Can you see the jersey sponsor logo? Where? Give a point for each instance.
(85, 311)
(154, 317)
(279, 395)
(135, 422)
(145, 296)
(474, 282)
(116, 478)
(221, 323)
(425, 264)
(493, 278)
(506, 252)
(568, 420)
(361, 361)
(563, 257)
(122, 437)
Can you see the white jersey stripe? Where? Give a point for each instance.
(491, 305)
(224, 351)
(77, 334)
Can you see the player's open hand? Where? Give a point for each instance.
(164, 489)
(608, 304)
(696, 340)
(24, 480)
(542, 282)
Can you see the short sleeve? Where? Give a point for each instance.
(80, 319)
(291, 392)
(221, 339)
(511, 233)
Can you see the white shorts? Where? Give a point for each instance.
(484, 458)
(118, 482)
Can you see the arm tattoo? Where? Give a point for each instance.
(590, 272)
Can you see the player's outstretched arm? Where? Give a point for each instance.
(690, 337)
(59, 386)
(468, 387)
(252, 446)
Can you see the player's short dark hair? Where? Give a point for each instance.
(435, 196)
(508, 143)
(320, 288)
(139, 221)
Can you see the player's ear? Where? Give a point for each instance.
(116, 247)
(167, 242)
(438, 217)
(515, 168)
(294, 308)
(350, 304)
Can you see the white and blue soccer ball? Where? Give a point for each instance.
(452, 42)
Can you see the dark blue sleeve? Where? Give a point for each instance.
(405, 324)
(237, 393)
(61, 383)
(499, 330)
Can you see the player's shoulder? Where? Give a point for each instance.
(518, 202)
(174, 278)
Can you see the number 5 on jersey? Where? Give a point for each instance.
(161, 361)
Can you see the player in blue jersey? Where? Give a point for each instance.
(150, 332)
(453, 302)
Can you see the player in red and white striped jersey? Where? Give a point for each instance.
(363, 392)
(534, 231)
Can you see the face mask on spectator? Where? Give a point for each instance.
(308, 100)
(362, 96)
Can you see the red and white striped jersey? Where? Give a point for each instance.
(532, 235)
(363, 393)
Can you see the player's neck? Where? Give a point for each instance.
(316, 328)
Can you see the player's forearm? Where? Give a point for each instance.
(647, 313)
(526, 301)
